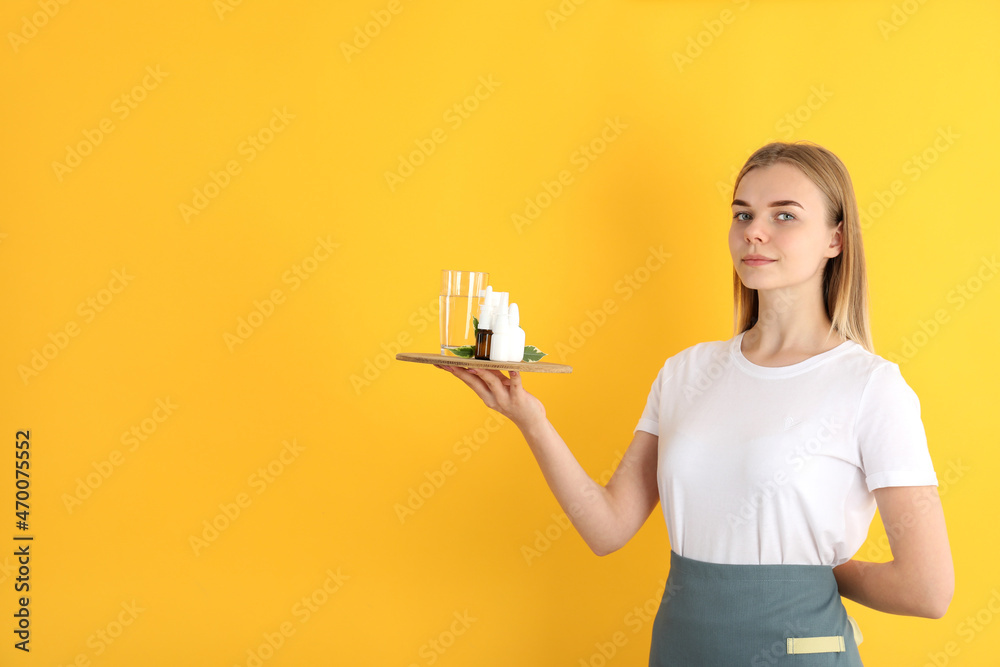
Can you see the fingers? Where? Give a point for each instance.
(485, 379)
(515, 380)
(499, 392)
(503, 388)
(477, 383)
(491, 385)
(494, 379)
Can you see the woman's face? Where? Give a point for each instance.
(779, 214)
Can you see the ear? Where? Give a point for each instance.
(836, 241)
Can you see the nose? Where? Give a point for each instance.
(754, 233)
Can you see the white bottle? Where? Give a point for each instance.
(501, 330)
(516, 344)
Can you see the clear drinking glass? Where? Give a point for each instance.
(457, 305)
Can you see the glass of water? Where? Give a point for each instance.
(457, 305)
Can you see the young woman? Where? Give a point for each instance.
(770, 451)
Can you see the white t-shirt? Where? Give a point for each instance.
(761, 465)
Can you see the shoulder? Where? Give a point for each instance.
(859, 361)
(868, 365)
(879, 380)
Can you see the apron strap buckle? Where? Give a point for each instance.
(834, 644)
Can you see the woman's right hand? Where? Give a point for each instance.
(504, 394)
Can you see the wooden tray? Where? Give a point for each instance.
(444, 360)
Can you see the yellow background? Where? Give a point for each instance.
(877, 82)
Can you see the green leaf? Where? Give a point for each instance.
(475, 323)
(532, 353)
(466, 351)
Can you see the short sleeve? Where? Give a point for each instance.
(650, 419)
(890, 433)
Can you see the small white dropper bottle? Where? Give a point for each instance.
(516, 344)
(501, 330)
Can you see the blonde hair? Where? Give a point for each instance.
(845, 284)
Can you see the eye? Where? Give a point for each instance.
(736, 216)
(790, 216)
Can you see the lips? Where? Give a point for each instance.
(757, 260)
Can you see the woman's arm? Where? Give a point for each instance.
(920, 579)
(605, 516)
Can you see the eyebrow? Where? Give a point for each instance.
(774, 204)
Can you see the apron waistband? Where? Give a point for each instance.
(698, 568)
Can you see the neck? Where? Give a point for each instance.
(789, 321)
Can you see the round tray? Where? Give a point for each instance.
(445, 360)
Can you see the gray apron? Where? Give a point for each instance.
(715, 615)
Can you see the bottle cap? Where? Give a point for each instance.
(514, 316)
